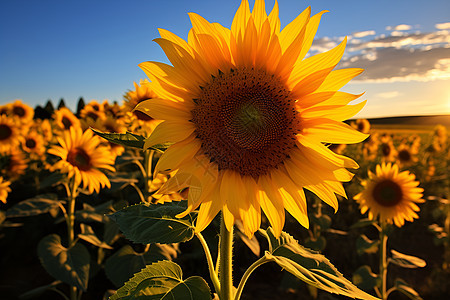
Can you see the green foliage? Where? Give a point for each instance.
(123, 264)
(365, 279)
(406, 261)
(163, 280)
(144, 223)
(40, 204)
(310, 266)
(366, 245)
(405, 289)
(70, 265)
(129, 139)
(88, 234)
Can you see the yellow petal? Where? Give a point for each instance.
(292, 30)
(169, 131)
(333, 112)
(163, 109)
(208, 210)
(274, 20)
(259, 14)
(240, 18)
(271, 203)
(329, 131)
(311, 29)
(338, 78)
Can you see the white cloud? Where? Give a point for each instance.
(363, 33)
(443, 25)
(388, 95)
(399, 27)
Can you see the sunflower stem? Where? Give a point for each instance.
(383, 261)
(72, 194)
(226, 265)
(247, 274)
(148, 157)
(212, 271)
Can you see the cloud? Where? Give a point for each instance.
(388, 95)
(443, 26)
(399, 27)
(363, 33)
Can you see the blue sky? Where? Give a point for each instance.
(91, 49)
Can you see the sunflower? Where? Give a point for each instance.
(9, 132)
(12, 163)
(65, 119)
(406, 155)
(4, 189)
(82, 157)
(362, 125)
(109, 124)
(390, 195)
(22, 111)
(93, 110)
(387, 149)
(34, 144)
(248, 116)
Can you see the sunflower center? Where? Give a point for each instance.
(404, 155)
(79, 158)
(66, 122)
(30, 143)
(385, 149)
(246, 121)
(387, 193)
(18, 111)
(5, 132)
(93, 115)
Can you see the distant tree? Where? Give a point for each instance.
(80, 106)
(61, 103)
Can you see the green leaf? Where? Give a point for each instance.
(405, 289)
(406, 261)
(163, 280)
(310, 266)
(365, 279)
(52, 179)
(144, 223)
(363, 223)
(88, 234)
(317, 244)
(70, 265)
(121, 266)
(129, 139)
(93, 214)
(366, 245)
(40, 204)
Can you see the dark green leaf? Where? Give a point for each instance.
(406, 261)
(35, 206)
(121, 266)
(144, 223)
(365, 279)
(88, 234)
(405, 289)
(52, 179)
(317, 244)
(68, 265)
(163, 280)
(366, 245)
(310, 266)
(93, 214)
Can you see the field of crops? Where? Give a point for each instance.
(57, 233)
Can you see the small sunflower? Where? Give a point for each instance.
(22, 111)
(390, 195)
(93, 110)
(65, 119)
(12, 163)
(110, 125)
(387, 149)
(34, 144)
(249, 116)
(362, 125)
(406, 155)
(4, 189)
(9, 132)
(82, 157)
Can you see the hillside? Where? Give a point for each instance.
(413, 120)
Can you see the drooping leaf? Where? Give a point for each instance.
(406, 261)
(365, 279)
(123, 264)
(407, 290)
(70, 265)
(40, 204)
(88, 234)
(144, 223)
(163, 280)
(93, 214)
(310, 266)
(366, 245)
(129, 139)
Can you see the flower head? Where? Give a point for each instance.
(65, 119)
(82, 157)
(4, 189)
(9, 132)
(390, 195)
(248, 116)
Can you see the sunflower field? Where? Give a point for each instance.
(180, 190)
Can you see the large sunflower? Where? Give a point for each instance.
(22, 111)
(4, 189)
(248, 116)
(390, 195)
(82, 157)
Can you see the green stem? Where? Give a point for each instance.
(212, 272)
(247, 274)
(148, 157)
(383, 261)
(72, 193)
(226, 265)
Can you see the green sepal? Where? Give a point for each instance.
(163, 280)
(155, 223)
(70, 265)
(366, 245)
(310, 266)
